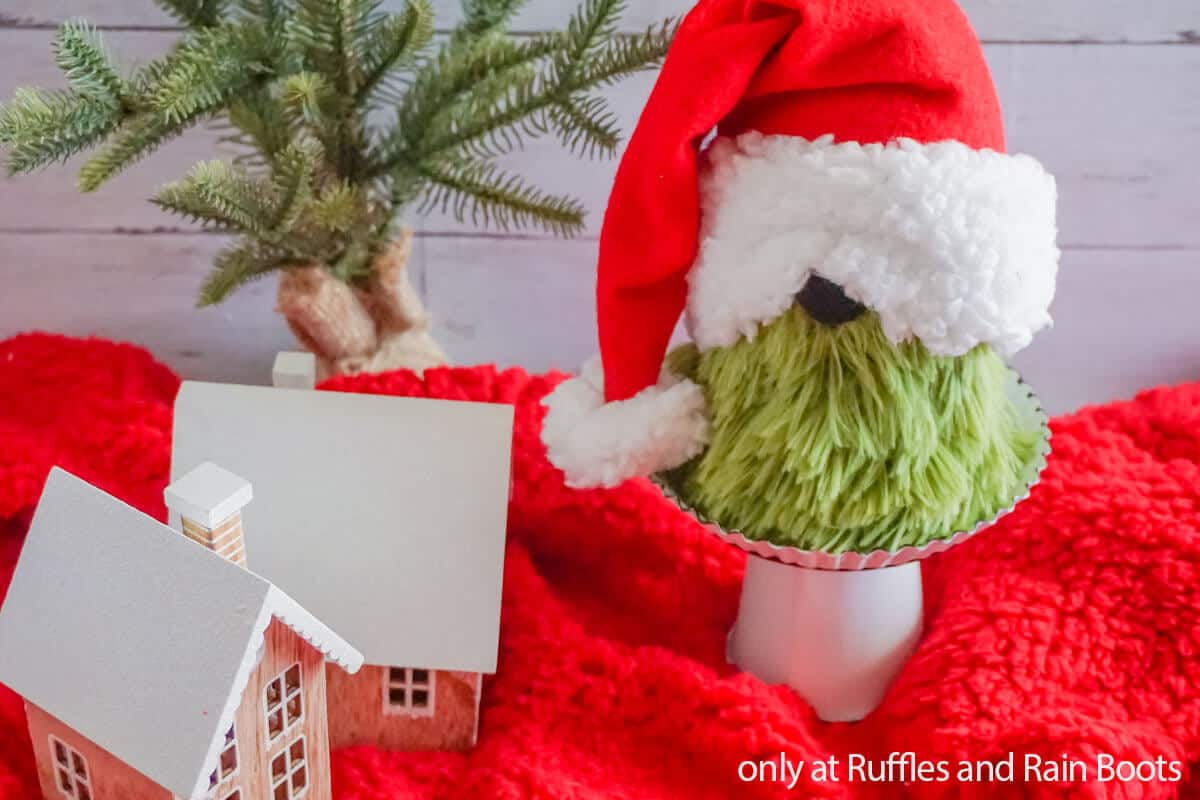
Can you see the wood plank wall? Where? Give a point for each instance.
(1105, 92)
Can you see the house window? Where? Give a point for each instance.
(70, 771)
(408, 691)
(289, 772)
(283, 702)
(227, 765)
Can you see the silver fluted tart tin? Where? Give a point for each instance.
(1030, 413)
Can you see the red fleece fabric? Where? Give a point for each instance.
(1071, 628)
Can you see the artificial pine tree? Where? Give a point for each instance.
(345, 114)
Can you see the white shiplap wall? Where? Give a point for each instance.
(1105, 92)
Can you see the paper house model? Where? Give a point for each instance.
(386, 517)
(152, 665)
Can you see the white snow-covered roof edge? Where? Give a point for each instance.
(283, 608)
(313, 631)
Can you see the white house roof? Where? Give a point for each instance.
(136, 637)
(385, 516)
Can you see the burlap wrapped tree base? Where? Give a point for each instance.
(374, 328)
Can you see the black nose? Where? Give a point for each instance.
(825, 302)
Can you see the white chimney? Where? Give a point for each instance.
(209, 501)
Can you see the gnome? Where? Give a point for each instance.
(854, 254)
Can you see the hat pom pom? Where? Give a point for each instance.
(599, 444)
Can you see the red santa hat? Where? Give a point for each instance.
(858, 140)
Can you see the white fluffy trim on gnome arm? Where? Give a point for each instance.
(599, 444)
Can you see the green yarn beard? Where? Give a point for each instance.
(836, 439)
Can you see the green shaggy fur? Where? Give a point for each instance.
(836, 439)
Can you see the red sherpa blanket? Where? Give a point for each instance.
(1072, 629)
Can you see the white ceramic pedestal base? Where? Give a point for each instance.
(837, 638)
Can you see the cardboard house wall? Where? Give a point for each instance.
(165, 670)
(387, 517)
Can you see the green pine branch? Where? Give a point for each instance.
(337, 209)
(195, 13)
(217, 193)
(293, 84)
(295, 170)
(394, 44)
(586, 56)
(330, 35)
(353, 264)
(243, 263)
(495, 130)
(204, 73)
(593, 22)
(483, 18)
(272, 13)
(455, 88)
(489, 196)
(257, 122)
(624, 56)
(80, 54)
(461, 74)
(586, 126)
(308, 99)
(134, 140)
(40, 127)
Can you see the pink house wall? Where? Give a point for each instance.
(112, 779)
(109, 777)
(357, 716)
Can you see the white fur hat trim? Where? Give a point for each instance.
(948, 244)
(603, 444)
